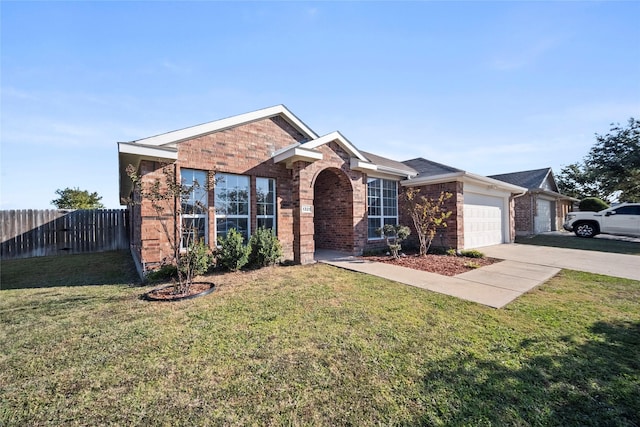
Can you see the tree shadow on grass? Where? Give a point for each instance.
(102, 268)
(596, 383)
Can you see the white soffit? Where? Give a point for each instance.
(295, 154)
(147, 151)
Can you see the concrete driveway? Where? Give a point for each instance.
(610, 264)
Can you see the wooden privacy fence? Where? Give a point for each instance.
(30, 233)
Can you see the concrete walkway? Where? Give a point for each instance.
(495, 285)
(524, 268)
(609, 264)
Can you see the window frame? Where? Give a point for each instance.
(380, 206)
(187, 181)
(222, 212)
(271, 185)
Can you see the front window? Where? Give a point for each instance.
(232, 204)
(194, 206)
(266, 203)
(382, 204)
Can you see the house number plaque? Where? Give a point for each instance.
(307, 209)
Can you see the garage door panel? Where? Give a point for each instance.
(483, 223)
(542, 219)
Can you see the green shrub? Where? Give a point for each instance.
(592, 204)
(162, 274)
(471, 253)
(265, 248)
(452, 252)
(232, 254)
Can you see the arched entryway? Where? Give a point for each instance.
(333, 211)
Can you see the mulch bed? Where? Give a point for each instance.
(447, 265)
(167, 293)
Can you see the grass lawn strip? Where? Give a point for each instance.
(322, 346)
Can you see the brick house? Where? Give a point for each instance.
(317, 192)
(542, 208)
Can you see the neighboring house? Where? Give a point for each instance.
(543, 208)
(315, 192)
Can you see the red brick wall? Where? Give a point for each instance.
(453, 235)
(243, 150)
(155, 230)
(523, 211)
(248, 150)
(353, 226)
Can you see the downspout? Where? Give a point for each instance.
(511, 199)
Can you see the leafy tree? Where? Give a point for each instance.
(611, 170)
(168, 197)
(74, 198)
(428, 215)
(579, 181)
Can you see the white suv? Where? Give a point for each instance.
(622, 219)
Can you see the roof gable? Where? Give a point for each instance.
(177, 136)
(531, 179)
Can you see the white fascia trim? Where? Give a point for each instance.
(465, 177)
(494, 183)
(146, 151)
(340, 139)
(378, 171)
(554, 195)
(362, 166)
(435, 179)
(297, 153)
(229, 122)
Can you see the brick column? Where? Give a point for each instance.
(303, 232)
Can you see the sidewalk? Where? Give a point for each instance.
(495, 285)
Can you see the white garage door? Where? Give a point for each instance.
(542, 219)
(482, 220)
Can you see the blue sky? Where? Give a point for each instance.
(488, 87)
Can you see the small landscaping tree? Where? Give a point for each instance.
(428, 215)
(393, 236)
(169, 197)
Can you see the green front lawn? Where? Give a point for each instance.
(316, 345)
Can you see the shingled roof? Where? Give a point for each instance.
(385, 162)
(426, 167)
(532, 179)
